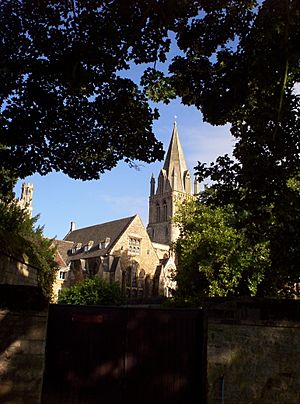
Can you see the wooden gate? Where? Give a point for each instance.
(125, 355)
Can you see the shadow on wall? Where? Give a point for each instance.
(252, 351)
(23, 321)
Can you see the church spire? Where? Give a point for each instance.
(174, 184)
(175, 165)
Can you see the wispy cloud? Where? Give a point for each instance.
(206, 144)
(118, 206)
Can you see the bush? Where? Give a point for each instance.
(93, 291)
(20, 238)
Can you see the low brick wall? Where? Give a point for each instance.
(253, 352)
(22, 348)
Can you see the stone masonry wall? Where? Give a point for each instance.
(22, 348)
(253, 352)
(16, 272)
(147, 258)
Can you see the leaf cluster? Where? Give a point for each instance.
(92, 291)
(65, 104)
(23, 241)
(241, 65)
(215, 257)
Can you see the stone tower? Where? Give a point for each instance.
(174, 185)
(25, 202)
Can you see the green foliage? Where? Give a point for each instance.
(157, 86)
(7, 182)
(66, 105)
(92, 291)
(21, 240)
(215, 258)
(239, 65)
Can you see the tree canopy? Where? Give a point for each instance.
(215, 256)
(64, 102)
(67, 104)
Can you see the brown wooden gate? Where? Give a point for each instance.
(125, 355)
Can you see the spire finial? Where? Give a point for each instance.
(175, 122)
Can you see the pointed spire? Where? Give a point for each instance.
(175, 164)
(175, 153)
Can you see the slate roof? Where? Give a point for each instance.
(97, 233)
(63, 247)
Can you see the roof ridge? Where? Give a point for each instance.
(121, 232)
(100, 224)
(113, 230)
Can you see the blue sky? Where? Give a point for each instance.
(123, 191)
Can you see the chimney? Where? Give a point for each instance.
(72, 227)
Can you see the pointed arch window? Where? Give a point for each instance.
(165, 211)
(157, 212)
(131, 279)
(128, 277)
(134, 275)
(141, 279)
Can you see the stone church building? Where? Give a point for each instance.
(123, 250)
(174, 186)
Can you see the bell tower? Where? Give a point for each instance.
(174, 185)
(25, 201)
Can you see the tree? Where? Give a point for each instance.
(65, 103)
(20, 238)
(67, 106)
(240, 65)
(92, 291)
(215, 257)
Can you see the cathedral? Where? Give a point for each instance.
(139, 259)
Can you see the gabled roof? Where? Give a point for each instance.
(59, 260)
(97, 233)
(63, 248)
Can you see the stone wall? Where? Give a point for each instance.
(147, 258)
(253, 352)
(22, 348)
(15, 271)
